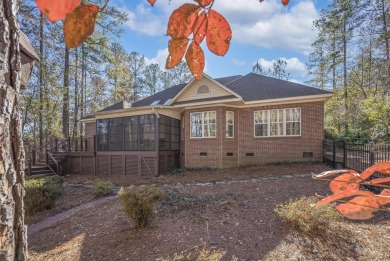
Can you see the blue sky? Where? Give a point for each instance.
(262, 32)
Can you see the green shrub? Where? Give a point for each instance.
(102, 188)
(139, 203)
(304, 216)
(41, 193)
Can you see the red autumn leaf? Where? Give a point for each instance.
(204, 3)
(344, 182)
(359, 208)
(176, 48)
(285, 2)
(384, 197)
(218, 34)
(182, 21)
(200, 27)
(57, 10)
(152, 2)
(80, 24)
(195, 60)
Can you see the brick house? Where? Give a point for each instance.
(223, 122)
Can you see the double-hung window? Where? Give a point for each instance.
(278, 122)
(203, 124)
(230, 124)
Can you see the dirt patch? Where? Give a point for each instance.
(212, 175)
(234, 218)
(72, 196)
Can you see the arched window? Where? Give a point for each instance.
(203, 89)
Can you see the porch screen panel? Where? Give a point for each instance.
(169, 136)
(147, 132)
(165, 133)
(102, 134)
(131, 126)
(175, 134)
(116, 134)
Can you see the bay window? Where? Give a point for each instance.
(278, 122)
(203, 124)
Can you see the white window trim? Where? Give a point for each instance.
(202, 112)
(284, 123)
(229, 124)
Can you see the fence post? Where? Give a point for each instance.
(56, 145)
(47, 157)
(69, 144)
(29, 169)
(34, 157)
(345, 153)
(334, 154)
(372, 158)
(94, 144)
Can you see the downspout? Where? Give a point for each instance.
(157, 139)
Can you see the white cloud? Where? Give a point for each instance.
(144, 21)
(294, 66)
(238, 62)
(160, 58)
(270, 25)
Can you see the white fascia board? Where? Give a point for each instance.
(325, 97)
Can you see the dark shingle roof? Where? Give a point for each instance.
(171, 92)
(117, 106)
(252, 87)
(162, 96)
(26, 47)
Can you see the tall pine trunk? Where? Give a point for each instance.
(76, 95)
(13, 239)
(41, 80)
(65, 107)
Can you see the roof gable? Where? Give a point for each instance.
(205, 88)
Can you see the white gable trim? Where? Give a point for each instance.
(210, 79)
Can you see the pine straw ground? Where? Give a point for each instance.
(231, 221)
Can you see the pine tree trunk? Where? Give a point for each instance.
(76, 95)
(65, 108)
(41, 80)
(13, 236)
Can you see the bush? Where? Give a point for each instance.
(41, 193)
(139, 203)
(304, 216)
(102, 188)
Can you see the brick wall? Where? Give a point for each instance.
(265, 149)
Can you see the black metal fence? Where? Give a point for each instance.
(346, 154)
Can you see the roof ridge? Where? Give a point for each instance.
(239, 77)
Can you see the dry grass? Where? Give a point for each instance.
(199, 253)
(343, 241)
(70, 250)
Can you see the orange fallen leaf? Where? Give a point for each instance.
(177, 49)
(80, 24)
(195, 60)
(57, 10)
(359, 208)
(219, 33)
(182, 20)
(200, 27)
(152, 2)
(204, 3)
(344, 182)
